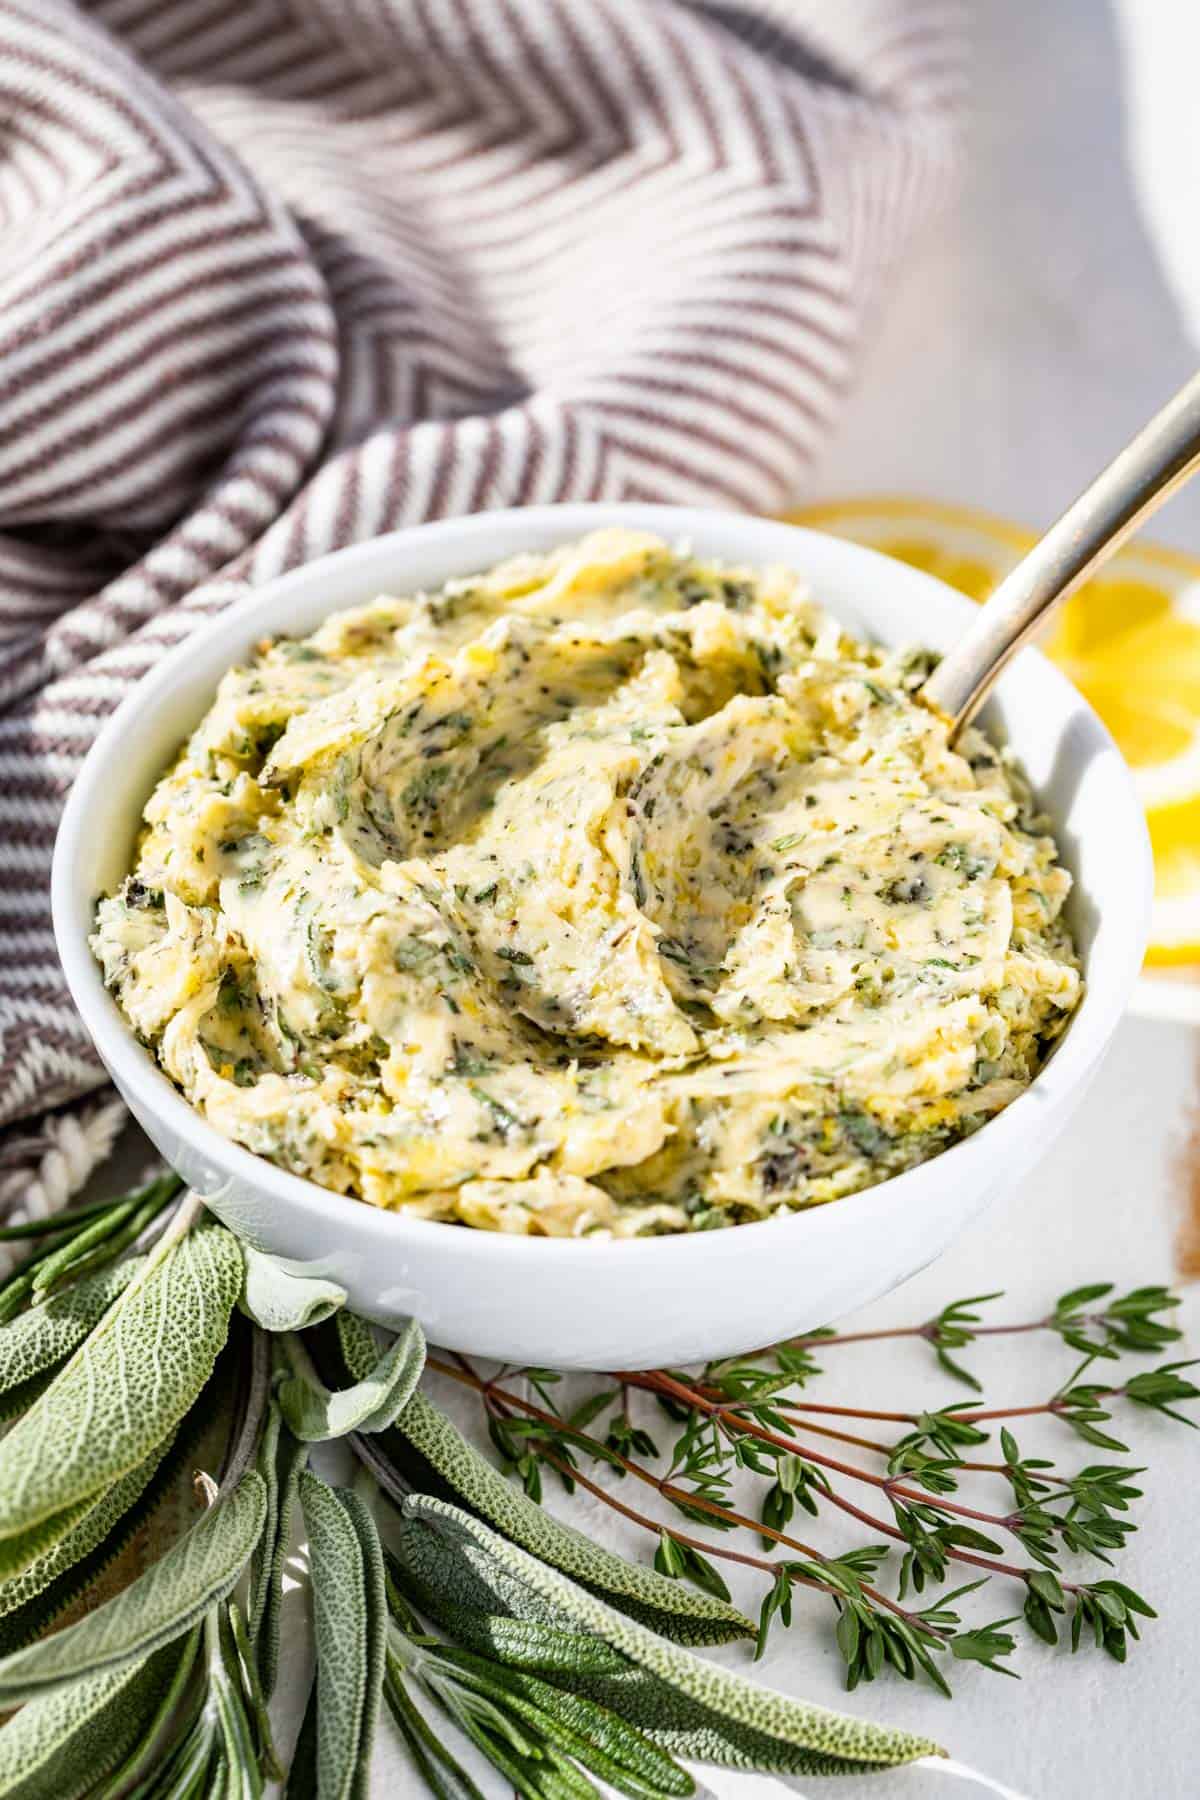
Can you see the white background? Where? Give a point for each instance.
(1035, 330)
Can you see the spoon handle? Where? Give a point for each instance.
(1163, 455)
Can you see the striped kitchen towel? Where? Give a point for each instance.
(276, 275)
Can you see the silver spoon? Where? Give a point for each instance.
(1163, 455)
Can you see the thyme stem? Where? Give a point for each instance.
(733, 1421)
(491, 1394)
(927, 1331)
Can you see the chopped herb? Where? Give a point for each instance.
(863, 1132)
(462, 965)
(506, 1120)
(782, 1168)
(420, 796)
(229, 992)
(412, 953)
(957, 856)
(135, 893)
(907, 890)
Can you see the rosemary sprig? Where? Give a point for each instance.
(533, 1734)
(219, 1740)
(81, 1241)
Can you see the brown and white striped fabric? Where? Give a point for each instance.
(276, 275)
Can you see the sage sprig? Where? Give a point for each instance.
(64, 1744)
(123, 1391)
(464, 1575)
(425, 1452)
(172, 1595)
(562, 1663)
(33, 1600)
(350, 1622)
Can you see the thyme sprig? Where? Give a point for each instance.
(1130, 1322)
(742, 1419)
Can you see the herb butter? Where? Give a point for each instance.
(607, 892)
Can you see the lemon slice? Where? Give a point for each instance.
(1130, 640)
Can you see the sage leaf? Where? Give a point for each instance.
(32, 1600)
(350, 1624)
(165, 1601)
(280, 1301)
(122, 1392)
(266, 1461)
(376, 1617)
(64, 1743)
(314, 1413)
(691, 1707)
(281, 1458)
(56, 1581)
(38, 1340)
(546, 1650)
(302, 1776)
(29, 1620)
(92, 1528)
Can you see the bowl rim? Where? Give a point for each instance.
(1072, 1060)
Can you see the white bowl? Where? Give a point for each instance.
(639, 1303)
